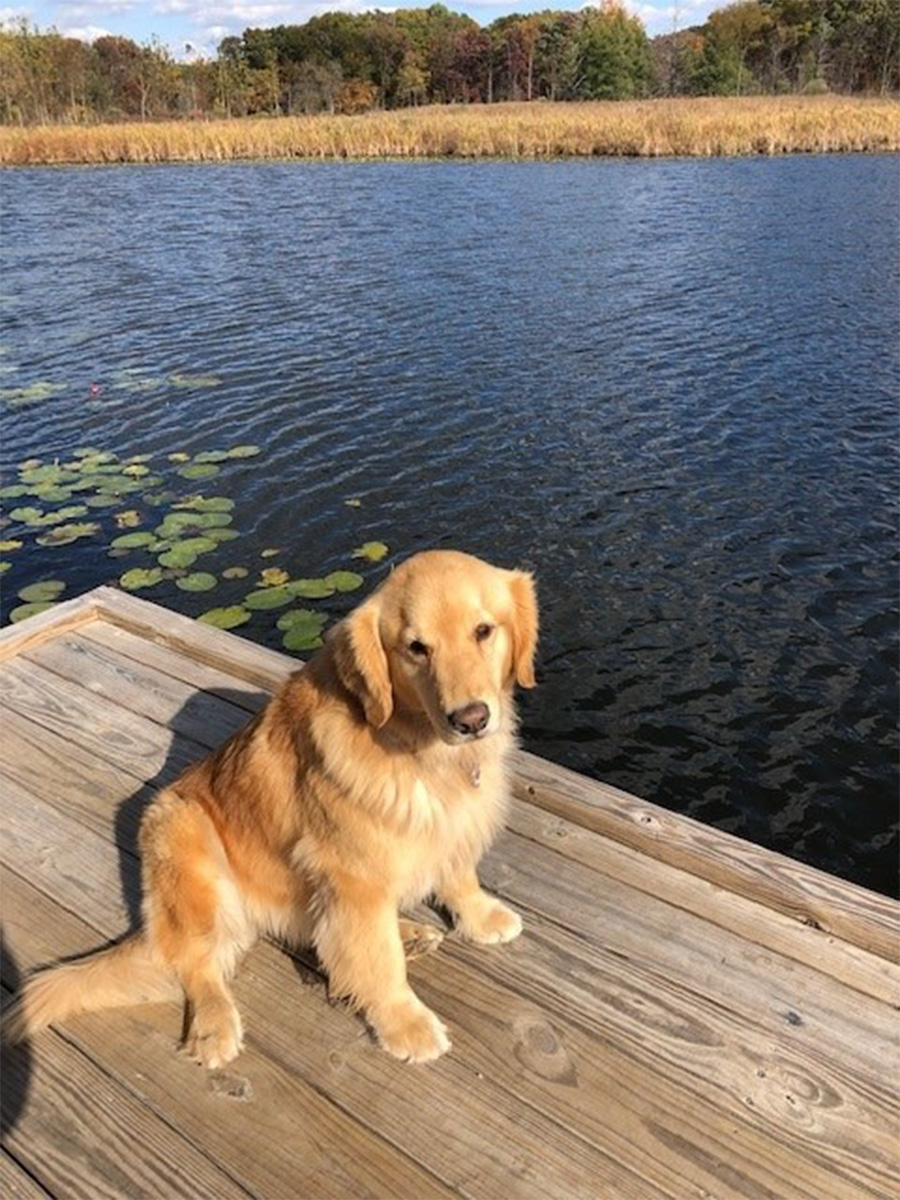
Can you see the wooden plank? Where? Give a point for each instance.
(635, 926)
(719, 1054)
(81, 1134)
(274, 1134)
(811, 897)
(170, 662)
(226, 651)
(68, 614)
(751, 921)
(16, 1183)
(649, 1116)
(139, 688)
(510, 1149)
(111, 733)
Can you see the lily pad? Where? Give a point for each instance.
(273, 577)
(136, 469)
(211, 456)
(198, 471)
(42, 389)
(4, 566)
(140, 577)
(235, 573)
(270, 553)
(273, 597)
(131, 541)
(373, 551)
(127, 519)
(344, 581)
(221, 535)
(64, 534)
(197, 581)
(179, 456)
(195, 545)
(139, 458)
(244, 451)
(206, 504)
(177, 558)
(353, 502)
(10, 544)
(27, 514)
(303, 634)
(301, 616)
(45, 591)
(310, 589)
(23, 611)
(52, 494)
(158, 499)
(14, 491)
(225, 618)
(194, 381)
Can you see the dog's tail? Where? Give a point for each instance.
(120, 975)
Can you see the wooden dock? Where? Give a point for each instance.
(685, 1016)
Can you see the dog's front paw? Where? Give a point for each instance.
(489, 922)
(215, 1037)
(412, 1032)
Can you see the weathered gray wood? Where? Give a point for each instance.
(226, 651)
(692, 1053)
(180, 666)
(752, 921)
(822, 901)
(518, 1152)
(82, 1134)
(16, 1183)
(273, 1133)
(69, 614)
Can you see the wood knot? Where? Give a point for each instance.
(231, 1087)
(540, 1051)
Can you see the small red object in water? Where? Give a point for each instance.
(96, 389)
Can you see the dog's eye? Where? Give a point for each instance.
(419, 649)
(483, 632)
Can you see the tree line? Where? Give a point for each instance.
(345, 63)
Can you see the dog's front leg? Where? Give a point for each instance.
(358, 941)
(478, 916)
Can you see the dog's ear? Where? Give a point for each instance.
(362, 663)
(524, 627)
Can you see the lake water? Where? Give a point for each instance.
(668, 387)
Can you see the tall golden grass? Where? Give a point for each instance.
(697, 126)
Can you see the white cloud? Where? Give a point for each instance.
(86, 33)
(12, 16)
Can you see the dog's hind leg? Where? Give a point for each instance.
(195, 921)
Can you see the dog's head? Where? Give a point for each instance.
(446, 635)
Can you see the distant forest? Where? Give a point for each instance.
(347, 63)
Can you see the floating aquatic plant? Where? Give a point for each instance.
(273, 576)
(43, 592)
(303, 629)
(244, 451)
(177, 379)
(344, 581)
(373, 551)
(235, 573)
(271, 597)
(127, 519)
(197, 581)
(10, 544)
(4, 566)
(64, 534)
(41, 389)
(270, 553)
(198, 471)
(310, 589)
(225, 618)
(139, 577)
(131, 541)
(23, 611)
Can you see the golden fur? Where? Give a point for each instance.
(366, 784)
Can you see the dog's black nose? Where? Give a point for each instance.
(470, 719)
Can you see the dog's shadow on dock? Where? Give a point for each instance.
(199, 727)
(17, 1064)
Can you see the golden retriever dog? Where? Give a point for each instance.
(375, 777)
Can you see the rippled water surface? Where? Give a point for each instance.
(668, 387)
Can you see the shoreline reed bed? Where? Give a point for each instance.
(701, 126)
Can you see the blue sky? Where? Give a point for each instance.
(201, 24)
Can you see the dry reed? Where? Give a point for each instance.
(697, 126)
